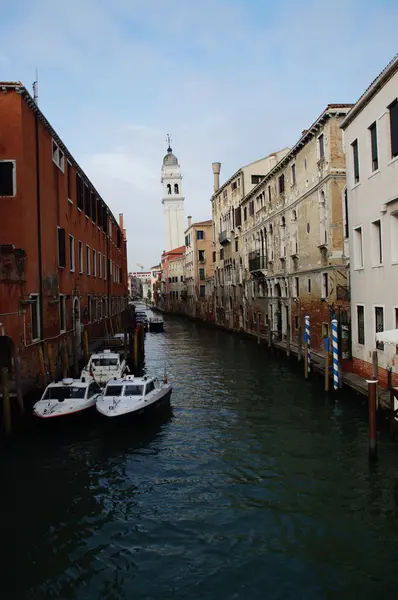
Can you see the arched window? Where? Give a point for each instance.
(169, 188)
(294, 215)
(283, 222)
(176, 188)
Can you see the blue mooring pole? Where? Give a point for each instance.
(335, 347)
(307, 346)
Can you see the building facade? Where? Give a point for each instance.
(198, 265)
(173, 201)
(227, 235)
(171, 286)
(371, 144)
(144, 279)
(63, 263)
(295, 234)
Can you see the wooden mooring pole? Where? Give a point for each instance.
(6, 401)
(300, 344)
(18, 385)
(66, 359)
(327, 378)
(375, 373)
(288, 340)
(372, 386)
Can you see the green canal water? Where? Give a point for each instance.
(255, 486)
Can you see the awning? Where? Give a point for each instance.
(388, 337)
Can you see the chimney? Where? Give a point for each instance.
(304, 132)
(216, 172)
(189, 221)
(121, 221)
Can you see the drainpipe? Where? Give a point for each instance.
(39, 248)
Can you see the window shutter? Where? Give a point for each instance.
(6, 178)
(238, 216)
(394, 128)
(93, 207)
(373, 132)
(61, 248)
(104, 220)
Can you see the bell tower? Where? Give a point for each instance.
(173, 200)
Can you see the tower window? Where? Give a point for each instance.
(169, 188)
(176, 188)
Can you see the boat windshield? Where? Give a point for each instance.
(62, 393)
(114, 390)
(104, 362)
(133, 390)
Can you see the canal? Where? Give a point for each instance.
(255, 486)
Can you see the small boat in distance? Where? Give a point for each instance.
(155, 324)
(104, 366)
(134, 396)
(67, 397)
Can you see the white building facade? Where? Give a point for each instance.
(371, 145)
(173, 201)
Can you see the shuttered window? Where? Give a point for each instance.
(355, 158)
(374, 148)
(7, 178)
(79, 191)
(87, 201)
(61, 247)
(238, 217)
(93, 207)
(394, 128)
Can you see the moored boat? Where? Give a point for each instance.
(104, 366)
(155, 324)
(133, 396)
(67, 397)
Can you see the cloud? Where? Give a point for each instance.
(230, 80)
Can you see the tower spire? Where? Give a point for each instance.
(168, 140)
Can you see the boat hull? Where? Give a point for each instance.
(148, 411)
(156, 327)
(78, 414)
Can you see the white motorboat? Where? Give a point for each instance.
(133, 396)
(104, 366)
(67, 397)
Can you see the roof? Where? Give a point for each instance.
(170, 160)
(19, 88)
(374, 88)
(240, 170)
(331, 109)
(74, 382)
(105, 355)
(130, 379)
(179, 250)
(201, 224)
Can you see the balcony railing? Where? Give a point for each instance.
(257, 263)
(225, 237)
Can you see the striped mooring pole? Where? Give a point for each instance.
(335, 348)
(307, 339)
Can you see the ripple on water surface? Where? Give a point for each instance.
(255, 486)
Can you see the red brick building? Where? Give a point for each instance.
(63, 264)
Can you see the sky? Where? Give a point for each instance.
(230, 80)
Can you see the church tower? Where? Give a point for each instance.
(173, 200)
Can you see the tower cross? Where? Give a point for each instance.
(168, 140)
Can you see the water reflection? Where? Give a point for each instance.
(256, 485)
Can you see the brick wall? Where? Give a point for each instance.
(364, 369)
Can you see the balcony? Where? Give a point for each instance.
(257, 262)
(224, 237)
